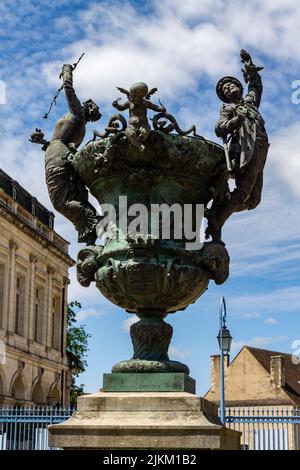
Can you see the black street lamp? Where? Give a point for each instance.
(225, 337)
(224, 340)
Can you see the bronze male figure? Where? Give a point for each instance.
(242, 125)
(68, 194)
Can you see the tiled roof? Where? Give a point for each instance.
(292, 371)
(13, 189)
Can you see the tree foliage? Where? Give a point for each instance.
(77, 348)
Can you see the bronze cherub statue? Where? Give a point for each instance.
(138, 103)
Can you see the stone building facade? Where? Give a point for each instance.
(259, 382)
(257, 377)
(34, 263)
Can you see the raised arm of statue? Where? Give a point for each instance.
(155, 107)
(119, 106)
(252, 77)
(255, 88)
(74, 104)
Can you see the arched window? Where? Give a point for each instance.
(38, 396)
(18, 389)
(54, 396)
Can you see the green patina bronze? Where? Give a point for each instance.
(145, 275)
(135, 382)
(140, 269)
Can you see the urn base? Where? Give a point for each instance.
(148, 382)
(149, 420)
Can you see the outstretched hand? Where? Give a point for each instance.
(66, 66)
(115, 102)
(245, 57)
(71, 67)
(249, 68)
(37, 136)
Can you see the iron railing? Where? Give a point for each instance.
(26, 428)
(263, 428)
(266, 428)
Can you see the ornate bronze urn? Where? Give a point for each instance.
(145, 274)
(154, 186)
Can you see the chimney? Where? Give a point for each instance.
(215, 375)
(277, 371)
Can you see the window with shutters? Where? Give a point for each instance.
(38, 315)
(19, 305)
(56, 317)
(2, 280)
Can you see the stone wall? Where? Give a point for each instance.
(33, 307)
(248, 382)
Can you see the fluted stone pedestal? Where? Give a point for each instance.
(143, 420)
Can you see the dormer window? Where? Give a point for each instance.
(33, 209)
(15, 194)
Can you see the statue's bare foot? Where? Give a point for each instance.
(213, 230)
(215, 234)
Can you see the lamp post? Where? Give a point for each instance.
(224, 339)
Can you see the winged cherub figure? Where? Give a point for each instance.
(138, 103)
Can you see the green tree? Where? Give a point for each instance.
(77, 348)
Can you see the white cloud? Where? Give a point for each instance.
(2, 92)
(250, 315)
(265, 242)
(182, 48)
(126, 324)
(258, 342)
(124, 46)
(279, 300)
(271, 321)
(274, 24)
(88, 313)
(178, 353)
(286, 155)
(87, 296)
(175, 46)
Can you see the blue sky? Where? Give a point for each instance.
(183, 48)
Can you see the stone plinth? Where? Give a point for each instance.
(143, 420)
(162, 382)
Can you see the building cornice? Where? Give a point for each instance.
(26, 228)
(29, 357)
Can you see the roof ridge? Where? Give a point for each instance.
(268, 350)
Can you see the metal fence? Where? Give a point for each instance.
(266, 428)
(27, 428)
(263, 428)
